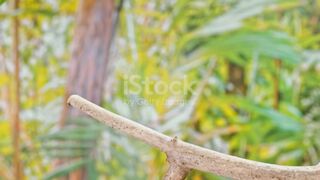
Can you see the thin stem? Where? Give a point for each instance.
(276, 81)
(17, 165)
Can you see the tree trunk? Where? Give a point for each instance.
(91, 44)
(90, 51)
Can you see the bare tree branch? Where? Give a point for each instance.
(183, 156)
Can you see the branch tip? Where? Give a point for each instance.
(72, 98)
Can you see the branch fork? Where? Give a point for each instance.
(183, 157)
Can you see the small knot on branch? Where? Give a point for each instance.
(174, 140)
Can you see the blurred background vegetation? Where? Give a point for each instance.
(252, 68)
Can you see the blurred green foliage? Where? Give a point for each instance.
(171, 41)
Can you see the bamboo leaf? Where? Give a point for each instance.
(235, 46)
(66, 169)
